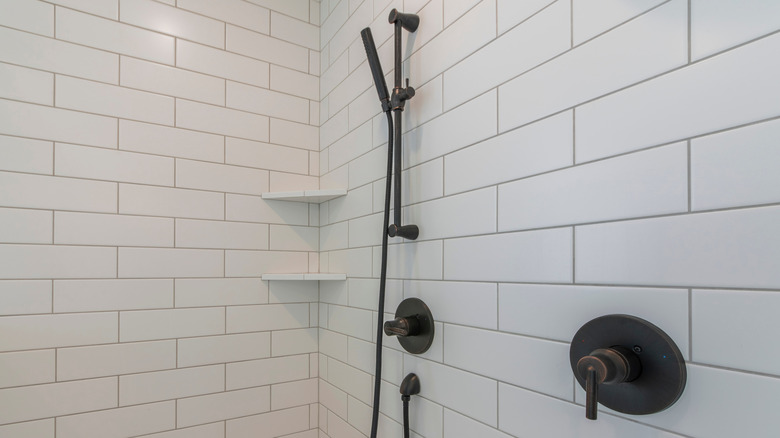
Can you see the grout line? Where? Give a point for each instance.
(690, 325)
(690, 177)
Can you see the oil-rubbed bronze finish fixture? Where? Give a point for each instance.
(627, 364)
(413, 324)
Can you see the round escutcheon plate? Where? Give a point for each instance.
(663, 375)
(420, 343)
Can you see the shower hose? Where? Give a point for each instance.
(382, 283)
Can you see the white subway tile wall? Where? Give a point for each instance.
(136, 138)
(564, 159)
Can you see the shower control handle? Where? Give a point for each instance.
(403, 326)
(606, 366)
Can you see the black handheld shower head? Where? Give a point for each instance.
(376, 68)
(407, 21)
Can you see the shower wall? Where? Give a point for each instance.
(135, 140)
(564, 160)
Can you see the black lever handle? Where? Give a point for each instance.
(605, 366)
(403, 326)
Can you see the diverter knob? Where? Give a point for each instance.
(606, 366)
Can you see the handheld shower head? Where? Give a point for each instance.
(376, 68)
(407, 21)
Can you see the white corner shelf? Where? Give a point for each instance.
(311, 196)
(314, 276)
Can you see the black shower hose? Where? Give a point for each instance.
(382, 278)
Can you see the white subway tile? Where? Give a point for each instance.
(203, 292)
(103, 8)
(289, 342)
(523, 412)
(594, 17)
(35, 17)
(334, 16)
(549, 372)
(295, 31)
(112, 165)
(27, 120)
(56, 399)
(350, 147)
(443, 383)
(25, 226)
(465, 125)
(218, 235)
(419, 261)
(511, 12)
(163, 140)
(173, 21)
(19, 83)
(104, 295)
(715, 316)
(179, 323)
(294, 8)
(19, 297)
(481, 219)
(295, 83)
(426, 105)
(166, 385)
(364, 293)
(115, 359)
(447, 299)
(534, 256)
(94, 97)
(111, 230)
(34, 191)
(535, 148)
(222, 406)
(350, 321)
(171, 81)
(332, 292)
(358, 202)
(680, 104)
(736, 168)
(351, 380)
(163, 201)
(263, 47)
(232, 11)
(557, 312)
(333, 399)
(48, 331)
(291, 394)
(267, 371)
(349, 89)
(455, 424)
(287, 238)
(27, 368)
(295, 134)
(456, 42)
(118, 423)
(218, 120)
(46, 261)
(366, 106)
(267, 102)
(256, 263)
(213, 430)
(112, 36)
(220, 63)
(282, 182)
(255, 209)
(700, 411)
(455, 9)
(25, 155)
(272, 424)
(334, 128)
(720, 26)
(334, 344)
(266, 156)
(219, 349)
(58, 56)
(643, 184)
(267, 317)
(339, 427)
(537, 40)
(627, 55)
(365, 231)
(161, 263)
(32, 429)
(650, 252)
(336, 236)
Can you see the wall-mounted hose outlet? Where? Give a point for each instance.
(628, 365)
(410, 386)
(413, 325)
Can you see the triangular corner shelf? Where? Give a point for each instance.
(310, 196)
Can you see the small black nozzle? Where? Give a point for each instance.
(376, 68)
(407, 21)
(410, 385)
(406, 231)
